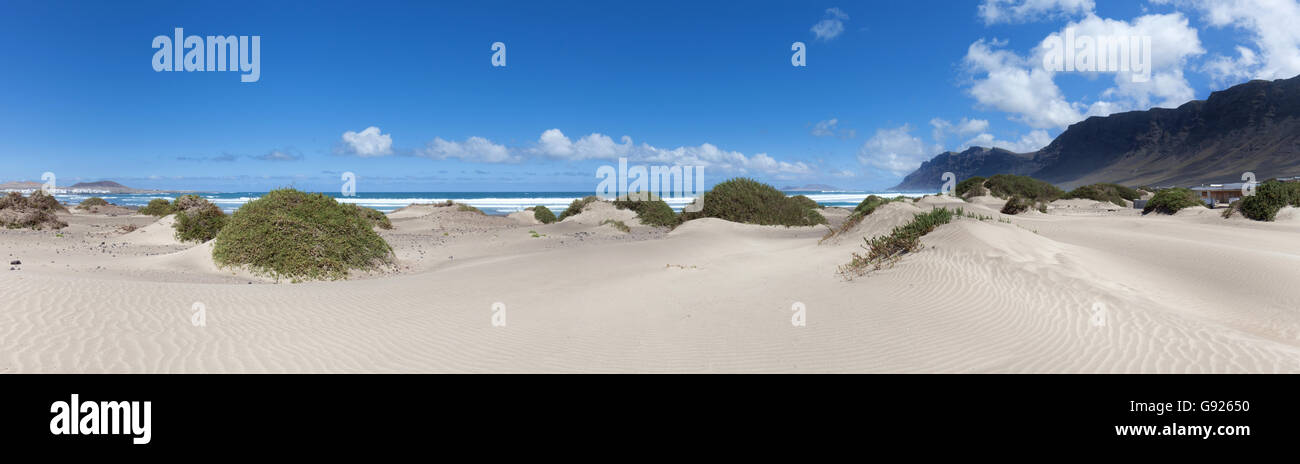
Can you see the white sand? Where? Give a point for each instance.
(1188, 293)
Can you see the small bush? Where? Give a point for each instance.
(886, 250)
(1269, 198)
(1169, 201)
(543, 214)
(44, 202)
(469, 209)
(972, 187)
(158, 207)
(1016, 205)
(576, 207)
(1113, 193)
(33, 212)
(291, 234)
(199, 223)
(620, 225)
(376, 217)
(651, 210)
(92, 202)
(752, 202)
(806, 202)
(1007, 186)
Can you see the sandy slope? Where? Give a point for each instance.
(1189, 293)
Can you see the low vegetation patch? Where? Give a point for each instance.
(1114, 193)
(1007, 186)
(885, 250)
(1269, 198)
(1170, 201)
(751, 202)
(300, 236)
(972, 187)
(651, 210)
(576, 207)
(197, 219)
(33, 212)
(158, 207)
(620, 225)
(469, 209)
(92, 202)
(376, 217)
(543, 215)
(1016, 205)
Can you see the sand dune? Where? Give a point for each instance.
(1079, 292)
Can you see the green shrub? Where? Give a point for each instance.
(576, 207)
(751, 202)
(886, 250)
(1016, 205)
(199, 222)
(652, 211)
(1007, 186)
(543, 215)
(972, 187)
(291, 234)
(34, 212)
(806, 202)
(469, 209)
(1269, 198)
(1169, 201)
(620, 225)
(1113, 193)
(376, 217)
(92, 202)
(158, 207)
(44, 202)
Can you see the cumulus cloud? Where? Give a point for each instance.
(368, 142)
(1274, 51)
(1010, 83)
(942, 127)
(896, 151)
(1033, 141)
(1026, 89)
(831, 26)
(554, 144)
(475, 149)
(1019, 11)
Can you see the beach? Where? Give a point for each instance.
(1087, 287)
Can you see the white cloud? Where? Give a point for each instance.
(832, 26)
(1027, 90)
(825, 128)
(896, 151)
(1019, 11)
(1173, 44)
(553, 143)
(475, 149)
(1274, 28)
(1033, 141)
(1012, 84)
(967, 126)
(368, 142)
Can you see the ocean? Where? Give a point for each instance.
(495, 203)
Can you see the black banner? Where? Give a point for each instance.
(395, 412)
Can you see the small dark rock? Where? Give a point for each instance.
(15, 263)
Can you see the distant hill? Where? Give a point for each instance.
(1249, 127)
(103, 186)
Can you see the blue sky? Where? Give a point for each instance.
(887, 85)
